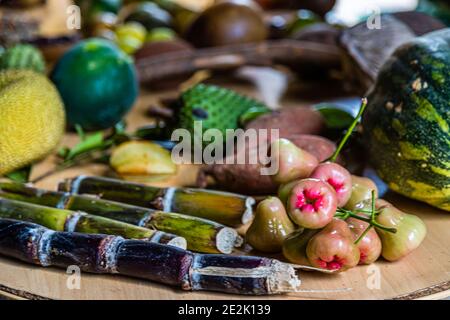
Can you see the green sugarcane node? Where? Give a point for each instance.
(77, 221)
(204, 236)
(51, 218)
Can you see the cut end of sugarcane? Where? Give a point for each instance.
(178, 242)
(303, 267)
(282, 278)
(73, 185)
(239, 242)
(248, 214)
(226, 240)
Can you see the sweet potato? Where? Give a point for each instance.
(247, 179)
(290, 121)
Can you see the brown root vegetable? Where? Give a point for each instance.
(290, 121)
(156, 48)
(153, 50)
(227, 23)
(247, 178)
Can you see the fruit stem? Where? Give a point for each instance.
(372, 218)
(344, 214)
(349, 131)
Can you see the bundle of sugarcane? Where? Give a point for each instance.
(201, 235)
(77, 221)
(38, 245)
(227, 208)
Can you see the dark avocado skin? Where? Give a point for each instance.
(406, 124)
(227, 24)
(97, 83)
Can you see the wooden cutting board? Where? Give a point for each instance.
(423, 274)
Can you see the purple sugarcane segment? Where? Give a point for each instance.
(169, 265)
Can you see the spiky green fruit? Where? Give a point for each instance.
(22, 56)
(216, 108)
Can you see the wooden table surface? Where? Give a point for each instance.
(423, 274)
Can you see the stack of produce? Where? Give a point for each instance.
(327, 218)
(227, 208)
(77, 221)
(155, 256)
(202, 235)
(189, 271)
(323, 218)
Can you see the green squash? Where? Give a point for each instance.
(406, 124)
(97, 82)
(439, 9)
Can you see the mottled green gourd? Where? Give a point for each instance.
(22, 56)
(407, 121)
(216, 108)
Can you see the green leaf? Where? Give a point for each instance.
(253, 113)
(335, 117)
(90, 142)
(22, 175)
(80, 131)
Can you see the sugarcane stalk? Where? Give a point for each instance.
(77, 221)
(165, 264)
(227, 208)
(201, 235)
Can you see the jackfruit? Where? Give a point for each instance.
(32, 118)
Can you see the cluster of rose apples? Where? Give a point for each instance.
(327, 218)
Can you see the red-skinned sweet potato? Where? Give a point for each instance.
(247, 178)
(290, 121)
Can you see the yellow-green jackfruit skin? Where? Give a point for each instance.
(32, 118)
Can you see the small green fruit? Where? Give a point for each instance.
(292, 162)
(284, 191)
(411, 231)
(160, 34)
(294, 246)
(270, 226)
(130, 36)
(361, 196)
